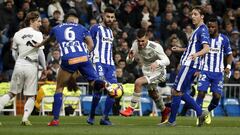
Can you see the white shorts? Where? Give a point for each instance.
(24, 78)
(159, 75)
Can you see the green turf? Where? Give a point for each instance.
(123, 126)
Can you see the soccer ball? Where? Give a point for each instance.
(117, 90)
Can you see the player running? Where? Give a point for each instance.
(154, 61)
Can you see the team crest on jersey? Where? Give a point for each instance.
(220, 84)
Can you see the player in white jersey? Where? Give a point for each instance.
(154, 60)
(213, 67)
(25, 74)
(190, 63)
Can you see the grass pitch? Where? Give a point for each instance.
(122, 126)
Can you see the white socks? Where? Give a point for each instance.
(135, 99)
(28, 108)
(4, 100)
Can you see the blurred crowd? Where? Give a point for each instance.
(167, 22)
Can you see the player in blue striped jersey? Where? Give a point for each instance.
(213, 66)
(190, 63)
(72, 39)
(102, 58)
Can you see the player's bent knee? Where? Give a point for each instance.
(99, 85)
(153, 94)
(217, 95)
(201, 94)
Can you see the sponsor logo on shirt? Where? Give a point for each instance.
(214, 50)
(27, 35)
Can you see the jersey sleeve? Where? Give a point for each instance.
(93, 30)
(85, 32)
(14, 44)
(226, 46)
(204, 36)
(39, 37)
(163, 58)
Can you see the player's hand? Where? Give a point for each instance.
(131, 55)
(154, 66)
(196, 74)
(175, 49)
(193, 56)
(227, 72)
(44, 75)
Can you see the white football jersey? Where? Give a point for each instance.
(21, 43)
(152, 52)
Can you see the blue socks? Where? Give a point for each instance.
(95, 101)
(213, 104)
(174, 108)
(108, 106)
(98, 86)
(199, 100)
(57, 105)
(187, 98)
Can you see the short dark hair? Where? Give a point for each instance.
(213, 18)
(199, 9)
(71, 12)
(109, 10)
(141, 33)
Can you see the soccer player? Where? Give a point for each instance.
(72, 38)
(154, 61)
(213, 67)
(102, 59)
(25, 74)
(190, 63)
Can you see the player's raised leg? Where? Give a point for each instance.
(135, 98)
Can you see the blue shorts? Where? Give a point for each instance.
(85, 68)
(212, 79)
(184, 79)
(106, 72)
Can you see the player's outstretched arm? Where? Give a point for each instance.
(178, 49)
(89, 42)
(205, 50)
(44, 42)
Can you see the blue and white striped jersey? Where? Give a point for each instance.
(70, 37)
(103, 43)
(213, 61)
(199, 37)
